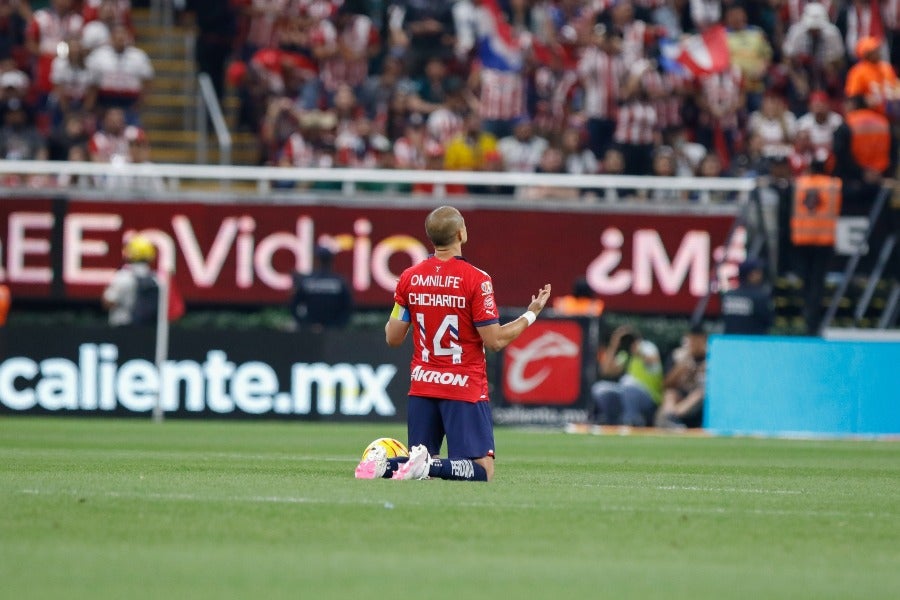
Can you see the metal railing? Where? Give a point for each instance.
(209, 109)
(162, 12)
(264, 176)
(853, 262)
(752, 219)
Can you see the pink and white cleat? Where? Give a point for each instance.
(373, 465)
(416, 467)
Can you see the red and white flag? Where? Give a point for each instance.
(706, 53)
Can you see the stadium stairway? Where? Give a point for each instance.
(787, 296)
(168, 114)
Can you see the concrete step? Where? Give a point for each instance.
(152, 120)
(172, 66)
(172, 85)
(168, 111)
(165, 48)
(248, 187)
(158, 99)
(188, 155)
(189, 136)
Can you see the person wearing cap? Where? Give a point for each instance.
(873, 78)
(747, 309)
(131, 296)
(322, 298)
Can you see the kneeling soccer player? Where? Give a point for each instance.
(449, 304)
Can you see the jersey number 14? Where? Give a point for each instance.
(449, 330)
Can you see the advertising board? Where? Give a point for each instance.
(67, 249)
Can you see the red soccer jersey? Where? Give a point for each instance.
(447, 301)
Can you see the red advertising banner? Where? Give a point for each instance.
(246, 253)
(543, 365)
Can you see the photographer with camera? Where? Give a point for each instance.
(685, 383)
(631, 382)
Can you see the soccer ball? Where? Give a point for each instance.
(393, 448)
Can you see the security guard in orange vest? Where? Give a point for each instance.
(582, 302)
(817, 206)
(865, 153)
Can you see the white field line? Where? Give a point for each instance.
(175, 454)
(411, 502)
(695, 488)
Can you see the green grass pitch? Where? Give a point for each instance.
(130, 509)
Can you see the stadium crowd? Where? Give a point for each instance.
(701, 88)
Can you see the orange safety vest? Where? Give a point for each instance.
(4, 303)
(870, 140)
(817, 205)
(578, 306)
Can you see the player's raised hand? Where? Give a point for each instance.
(538, 302)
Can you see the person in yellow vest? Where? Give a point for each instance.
(817, 206)
(631, 386)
